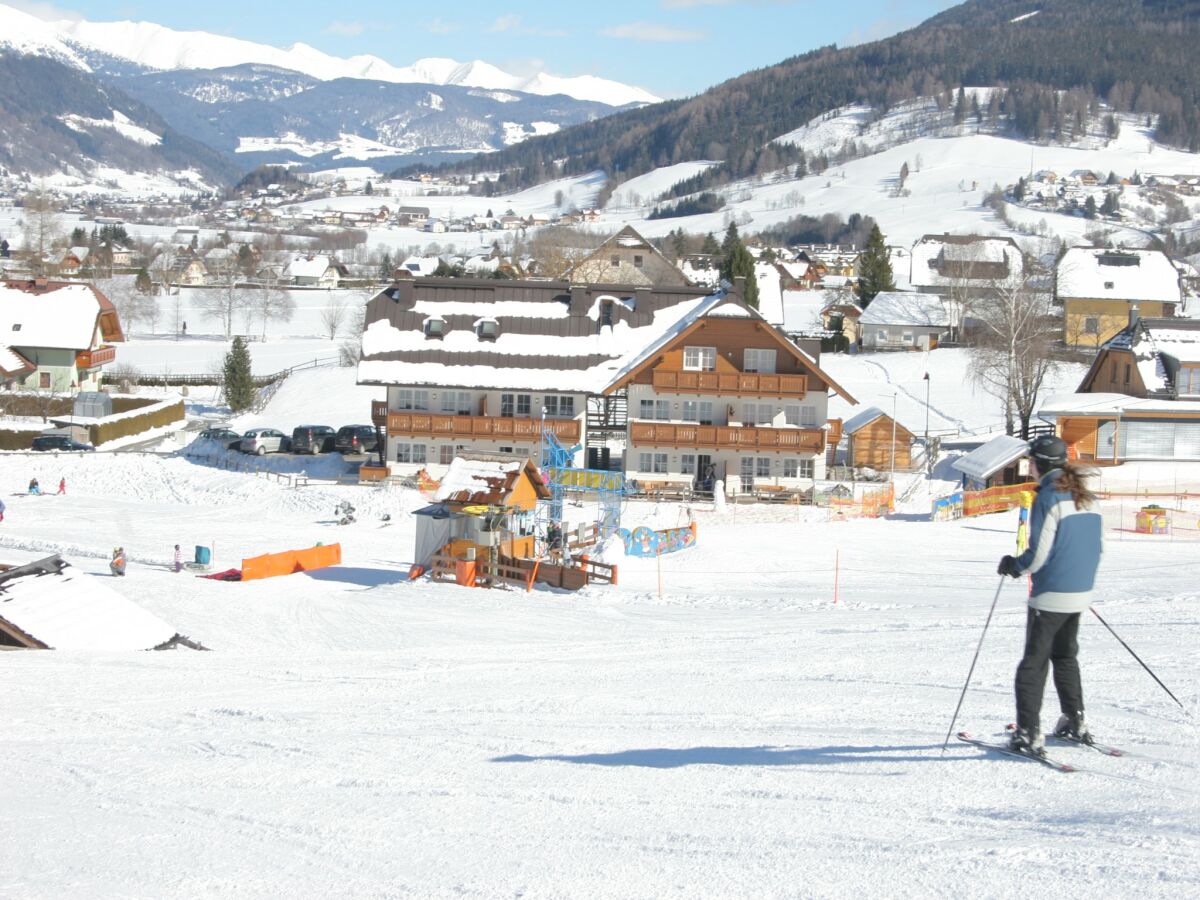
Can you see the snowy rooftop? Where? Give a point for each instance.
(862, 419)
(62, 317)
(73, 611)
(1092, 274)
(944, 260)
(900, 308)
(1000, 451)
(483, 478)
(308, 266)
(1102, 404)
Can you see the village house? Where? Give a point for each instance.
(695, 385)
(315, 271)
(412, 216)
(70, 262)
(1097, 287)
(174, 267)
(1141, 397)
(965, 266)
(899, 320)
(875, 440)
(626, 258)
(58, 335)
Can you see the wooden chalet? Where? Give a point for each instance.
(875, 440)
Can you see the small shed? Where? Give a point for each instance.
(875, 440)
(93, 404)
(994, 464)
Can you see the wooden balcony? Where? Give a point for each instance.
(91, 359)
(738, 384)
(726, 437)
(495, 427)
(379, 413)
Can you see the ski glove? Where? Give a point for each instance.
(1008, 566)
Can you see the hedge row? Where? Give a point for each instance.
(103, 432)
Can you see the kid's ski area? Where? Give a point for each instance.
(737, 733)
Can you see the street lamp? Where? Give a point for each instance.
(928, 455)
(894, 396)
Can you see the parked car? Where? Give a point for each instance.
(58, 442)
(356, 439)
(225, 436)
(263, 440)
(313, 439)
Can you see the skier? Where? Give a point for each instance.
(62, 485)
(178, 559)
(2, 507)
(117, 565)
(34, 487)
(1065, 545)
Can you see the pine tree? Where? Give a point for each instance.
(239, 385)
(1112, 205)
(710, 245)
(1089, 208)
(737, 262)
(731, 237)
(874, 268)
(385, 267)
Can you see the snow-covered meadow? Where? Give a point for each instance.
(761, 715)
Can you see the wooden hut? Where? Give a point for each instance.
(875, 440)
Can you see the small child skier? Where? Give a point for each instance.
(34, 487)
(62, 485)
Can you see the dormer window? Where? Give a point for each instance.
(16, 326)
(606, 313)
(435, 327)
(487, 329)
(1108, 285)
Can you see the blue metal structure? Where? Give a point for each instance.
(608, 487)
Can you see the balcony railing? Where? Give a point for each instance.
(91, 359)
(727, 437)
(735, 383)
(432, 424)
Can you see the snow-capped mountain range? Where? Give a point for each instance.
(152, 46)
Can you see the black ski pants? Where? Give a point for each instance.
(1049, 638)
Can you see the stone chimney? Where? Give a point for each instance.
(1133, 316)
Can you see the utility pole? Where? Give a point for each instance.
(928, 455)
(894, 396)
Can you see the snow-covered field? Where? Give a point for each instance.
(762, 716)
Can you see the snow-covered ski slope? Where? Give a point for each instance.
(353, 734)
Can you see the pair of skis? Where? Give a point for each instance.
(1057, 765)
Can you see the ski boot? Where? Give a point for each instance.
(1021, 740)
(1073, 728)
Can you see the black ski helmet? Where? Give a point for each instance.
(1049, 452)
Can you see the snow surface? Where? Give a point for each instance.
(742, 730)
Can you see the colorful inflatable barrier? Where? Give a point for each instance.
(270, 565)
(643, 541)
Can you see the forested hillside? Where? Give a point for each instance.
(1136, 55)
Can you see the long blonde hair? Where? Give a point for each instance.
(1071, 478)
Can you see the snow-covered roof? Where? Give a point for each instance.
(1088, 273)
(802, 309)
(485, 478)
(947, 260)
(308, 266)
(541, 339)
(70, 610)
(63, 316)
(1104, 404)
(901, 308)
(862, 419)
(983, 462)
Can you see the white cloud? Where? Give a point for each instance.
(441, 26)
(345, 29)
(650, 31)
(514, 25)
(46, 11)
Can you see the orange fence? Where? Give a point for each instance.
(871, 505)
(270, 565)
(997, 499)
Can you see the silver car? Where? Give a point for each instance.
(260, 441)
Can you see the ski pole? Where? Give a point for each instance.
(971, 671)
(1138, 658)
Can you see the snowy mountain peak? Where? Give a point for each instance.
(157, 47)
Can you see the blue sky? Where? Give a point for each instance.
(670, 47)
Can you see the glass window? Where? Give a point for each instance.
(411, 399)
(908, 337)
(606, 312)
(646, 409)
(410, 453)
(808, 416)
(506, 405)
(645, 462)
(1188, 380)
(763, 467)
(523, 404)
(687, 463)
(691, 412)
(660, 463)
(1127, 368)
(791, 467)
(700, 411)
(1091, 325)
(662, 410)
(807, 468)
(446, 454)
(614, 261)
(456, 403)
(700, 359)
(637, 262)
(560, 406)
(758, 413)
(759, 361)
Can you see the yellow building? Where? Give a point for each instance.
(1098, 289)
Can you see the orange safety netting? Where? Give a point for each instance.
(269, 565)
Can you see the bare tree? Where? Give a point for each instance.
(223, 303)
(333, 315)
(271, 303)
(40, 226)
(132, 305)
(1012, 356)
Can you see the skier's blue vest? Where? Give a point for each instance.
(1065, 545)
